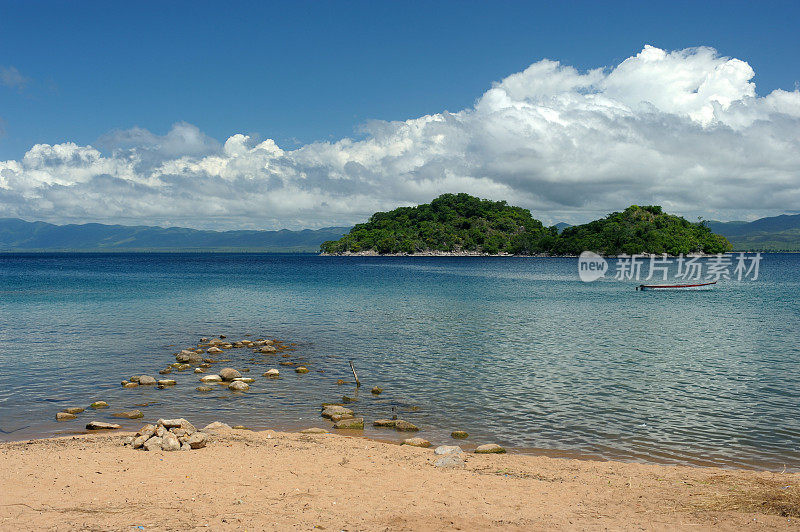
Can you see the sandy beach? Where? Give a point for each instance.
(278, 481)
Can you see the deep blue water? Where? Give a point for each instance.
(516, 351)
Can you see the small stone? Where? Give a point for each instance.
(135, 378)
(138, 441)
(153, 444)
(161, 430)
(169, 442)
(267, 349)
(131, 385)
(338, 417)
(453, 460)
(185, 446)
(203, 340)
(332, 410)
(128, 440)
(65, 416)
(73, 410)
(188, 356)
(175, 365)
(384, 423)
(165, 371)
(211, 378)
(417, 442)
(197, 440)
(101, 425)
(239, 427)
(314, 430)
(489, 448)
(146, 380)
(130, 414)
(246, 380)
(405, 426)
(272, 373)
(341, 381)
(216, 425)
(346, 399)
(238, 386)
(147, 431)
(167, 382)
(205, 365)
(376, 390)
(228, 374)
(199, 370)
(204, 388)
(213, 350)
(356, 423)
(179, 432)
(447, 449)
(301, 369)
(459, 434)
(99, 404)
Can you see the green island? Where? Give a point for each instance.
(461, 223)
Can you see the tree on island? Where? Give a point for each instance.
(464, 223)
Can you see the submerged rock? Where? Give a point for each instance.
(383, 423)
(166, 382)
(131, 385)
(333, 410)
(65, 416)
(101, 425)
(338, 417)
(211, 378)
(228, 374)
(489, 448)
(405, 426)
(165, 371)
(146, 380)
(204, 388)
(199, 370)
(459, 434)
(272, 373)
(356, 423)
(213, 350)
(376, 390)
(267, 349)
(417, 442)
(247, 380)
(301, 369)
(99, 404)
(73, 410)
(130, 414)
(238, 386)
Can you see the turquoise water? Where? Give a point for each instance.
(516, 351)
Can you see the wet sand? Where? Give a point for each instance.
(278, 481)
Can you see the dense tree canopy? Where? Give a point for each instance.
(460, 222)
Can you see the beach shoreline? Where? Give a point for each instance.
(271, 480)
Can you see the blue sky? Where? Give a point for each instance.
(303, 72)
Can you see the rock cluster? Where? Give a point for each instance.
(168, 435)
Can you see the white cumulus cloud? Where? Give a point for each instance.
(684, 129)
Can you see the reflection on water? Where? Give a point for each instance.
(515, 351)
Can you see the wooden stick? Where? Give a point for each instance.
(358, 383)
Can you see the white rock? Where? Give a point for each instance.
(211, 378)
(447, 449)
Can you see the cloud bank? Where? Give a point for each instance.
(684, 129)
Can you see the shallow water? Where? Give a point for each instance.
(516, 351)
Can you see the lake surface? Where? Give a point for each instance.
(516, 351)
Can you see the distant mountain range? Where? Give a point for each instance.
(19, 235)
(776, 233)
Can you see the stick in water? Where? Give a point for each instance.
(358, 383)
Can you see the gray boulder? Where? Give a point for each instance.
(228, 374)
(447, 449)
(169, 442)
